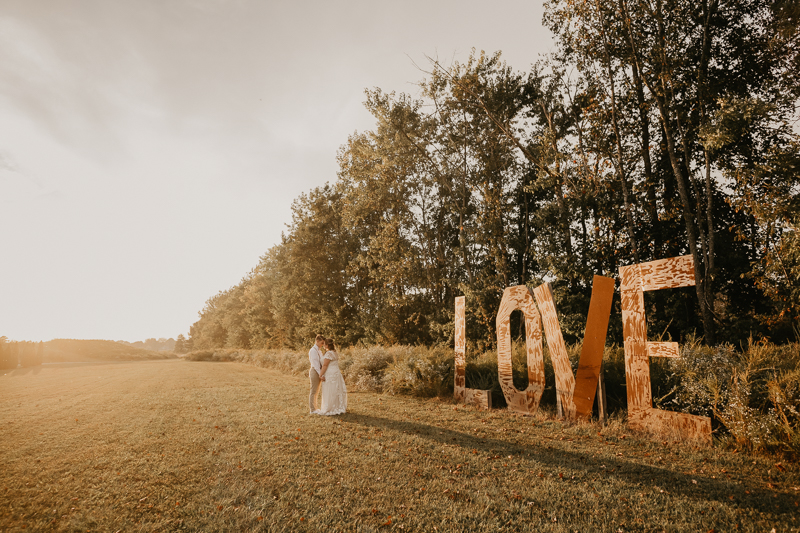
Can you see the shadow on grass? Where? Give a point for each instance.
(672, 482)
(24, 370)
(86, 363)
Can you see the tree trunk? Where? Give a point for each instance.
(702, 95)
(644, 123)
(665, 115)
(562, 205)
(620, 166)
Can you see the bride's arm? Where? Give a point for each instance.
(325, 364)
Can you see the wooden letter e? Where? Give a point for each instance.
(634, 280)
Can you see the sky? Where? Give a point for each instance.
(150, 150)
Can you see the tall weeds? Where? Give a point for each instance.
(751, 394)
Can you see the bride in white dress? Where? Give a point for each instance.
(334, 391)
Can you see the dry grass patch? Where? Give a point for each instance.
(172, 445)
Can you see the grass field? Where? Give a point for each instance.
(179, 445)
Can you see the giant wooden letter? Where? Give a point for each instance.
(526, 401)
(594, 342)
(565, 381)
(482, 399)
(634, 280)
(576, 396)
(577, 393)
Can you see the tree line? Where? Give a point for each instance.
(16, 353)
(655, 128)
(156, 345)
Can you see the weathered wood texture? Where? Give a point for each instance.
(634, 280)
(602, 405)
(671, 425)
(663, 349)
(565, 380)
(482, 399)
(594, 342)
(667, 273)
(479, 398)
(460, 385)
(526, 401)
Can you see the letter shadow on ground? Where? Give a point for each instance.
(707, 488)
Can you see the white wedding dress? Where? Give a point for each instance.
(334, 391)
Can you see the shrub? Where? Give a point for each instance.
(752, 395)
(201, 355)
(420, 371)
(364, 367)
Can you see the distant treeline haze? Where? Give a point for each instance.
(157, 345)
(16, 353)
(655, 129)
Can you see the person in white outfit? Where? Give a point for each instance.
(315, 358)
(334, 391)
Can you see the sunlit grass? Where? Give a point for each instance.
(171, 445)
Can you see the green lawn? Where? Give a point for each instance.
(172, 445)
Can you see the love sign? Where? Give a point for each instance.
(576, 392)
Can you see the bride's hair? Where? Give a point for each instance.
(330, 345)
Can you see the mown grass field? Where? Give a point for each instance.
(179, 445)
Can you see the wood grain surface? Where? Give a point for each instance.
(634, 280)
(479, 398)
(667, 273)
(594, 342)
(663, 349)
(565, 380)
(460, 385)
(526, 401)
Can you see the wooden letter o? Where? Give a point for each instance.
(526, 401)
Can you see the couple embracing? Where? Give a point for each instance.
(325, 371)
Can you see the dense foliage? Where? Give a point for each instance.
(657, 128)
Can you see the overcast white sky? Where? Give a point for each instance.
(150, 149)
